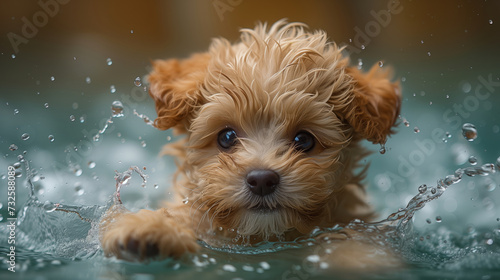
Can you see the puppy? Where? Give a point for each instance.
(272, 128)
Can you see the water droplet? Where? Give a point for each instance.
(25, 136)
(363, 47)
(416, 129)
(403, 79)
(433, 191)
(49, 206)
(137, 82)
(489, 242)
(428, 53)
(406, 123)
(382, 149)
(13, 56)
(156, 186)
(109, 61)
(380, 64)
(79, 189)
(131, 31)
(228, 267)
(13, 147)
(82, 119)
(17, 165)
(117, 109)
(422, 188)
(428, 221)
(72, 118)
(448, 135)
(360, 63)
(469, 131)
(472, 160)
(265, 265)
(74, 106)
(91, 164)
(112, 88)
(77, 171)
(51, 138)
(439, 219)
(491, 186)
(490, 21)
(422, 41)
(466, 86)
(88, 80)
(143, 144)
(185, 200)
(52, 78)
(46, 105)
(169, 138)
(16, 111)
(313, 258)
(498, 162)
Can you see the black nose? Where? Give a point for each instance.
(262, 181)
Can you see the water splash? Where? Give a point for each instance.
(116, 112)
(61, 231)
(123, 179)
(394, 231)
(145, 118)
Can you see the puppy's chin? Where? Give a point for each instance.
(264, 222)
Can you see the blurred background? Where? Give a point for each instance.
(63, 63)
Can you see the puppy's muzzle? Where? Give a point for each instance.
(262, 181)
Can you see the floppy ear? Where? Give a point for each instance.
(374, 104)
(175, 87)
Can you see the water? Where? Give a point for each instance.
(53, 235)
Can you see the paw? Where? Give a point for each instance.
(146, 235)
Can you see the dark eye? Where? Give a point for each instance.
(304, 141)
(227, 138)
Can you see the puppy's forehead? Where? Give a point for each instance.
(275, 62)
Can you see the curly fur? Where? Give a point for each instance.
(270, 85)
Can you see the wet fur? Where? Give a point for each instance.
(270, 85)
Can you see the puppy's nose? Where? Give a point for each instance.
(262, 181)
